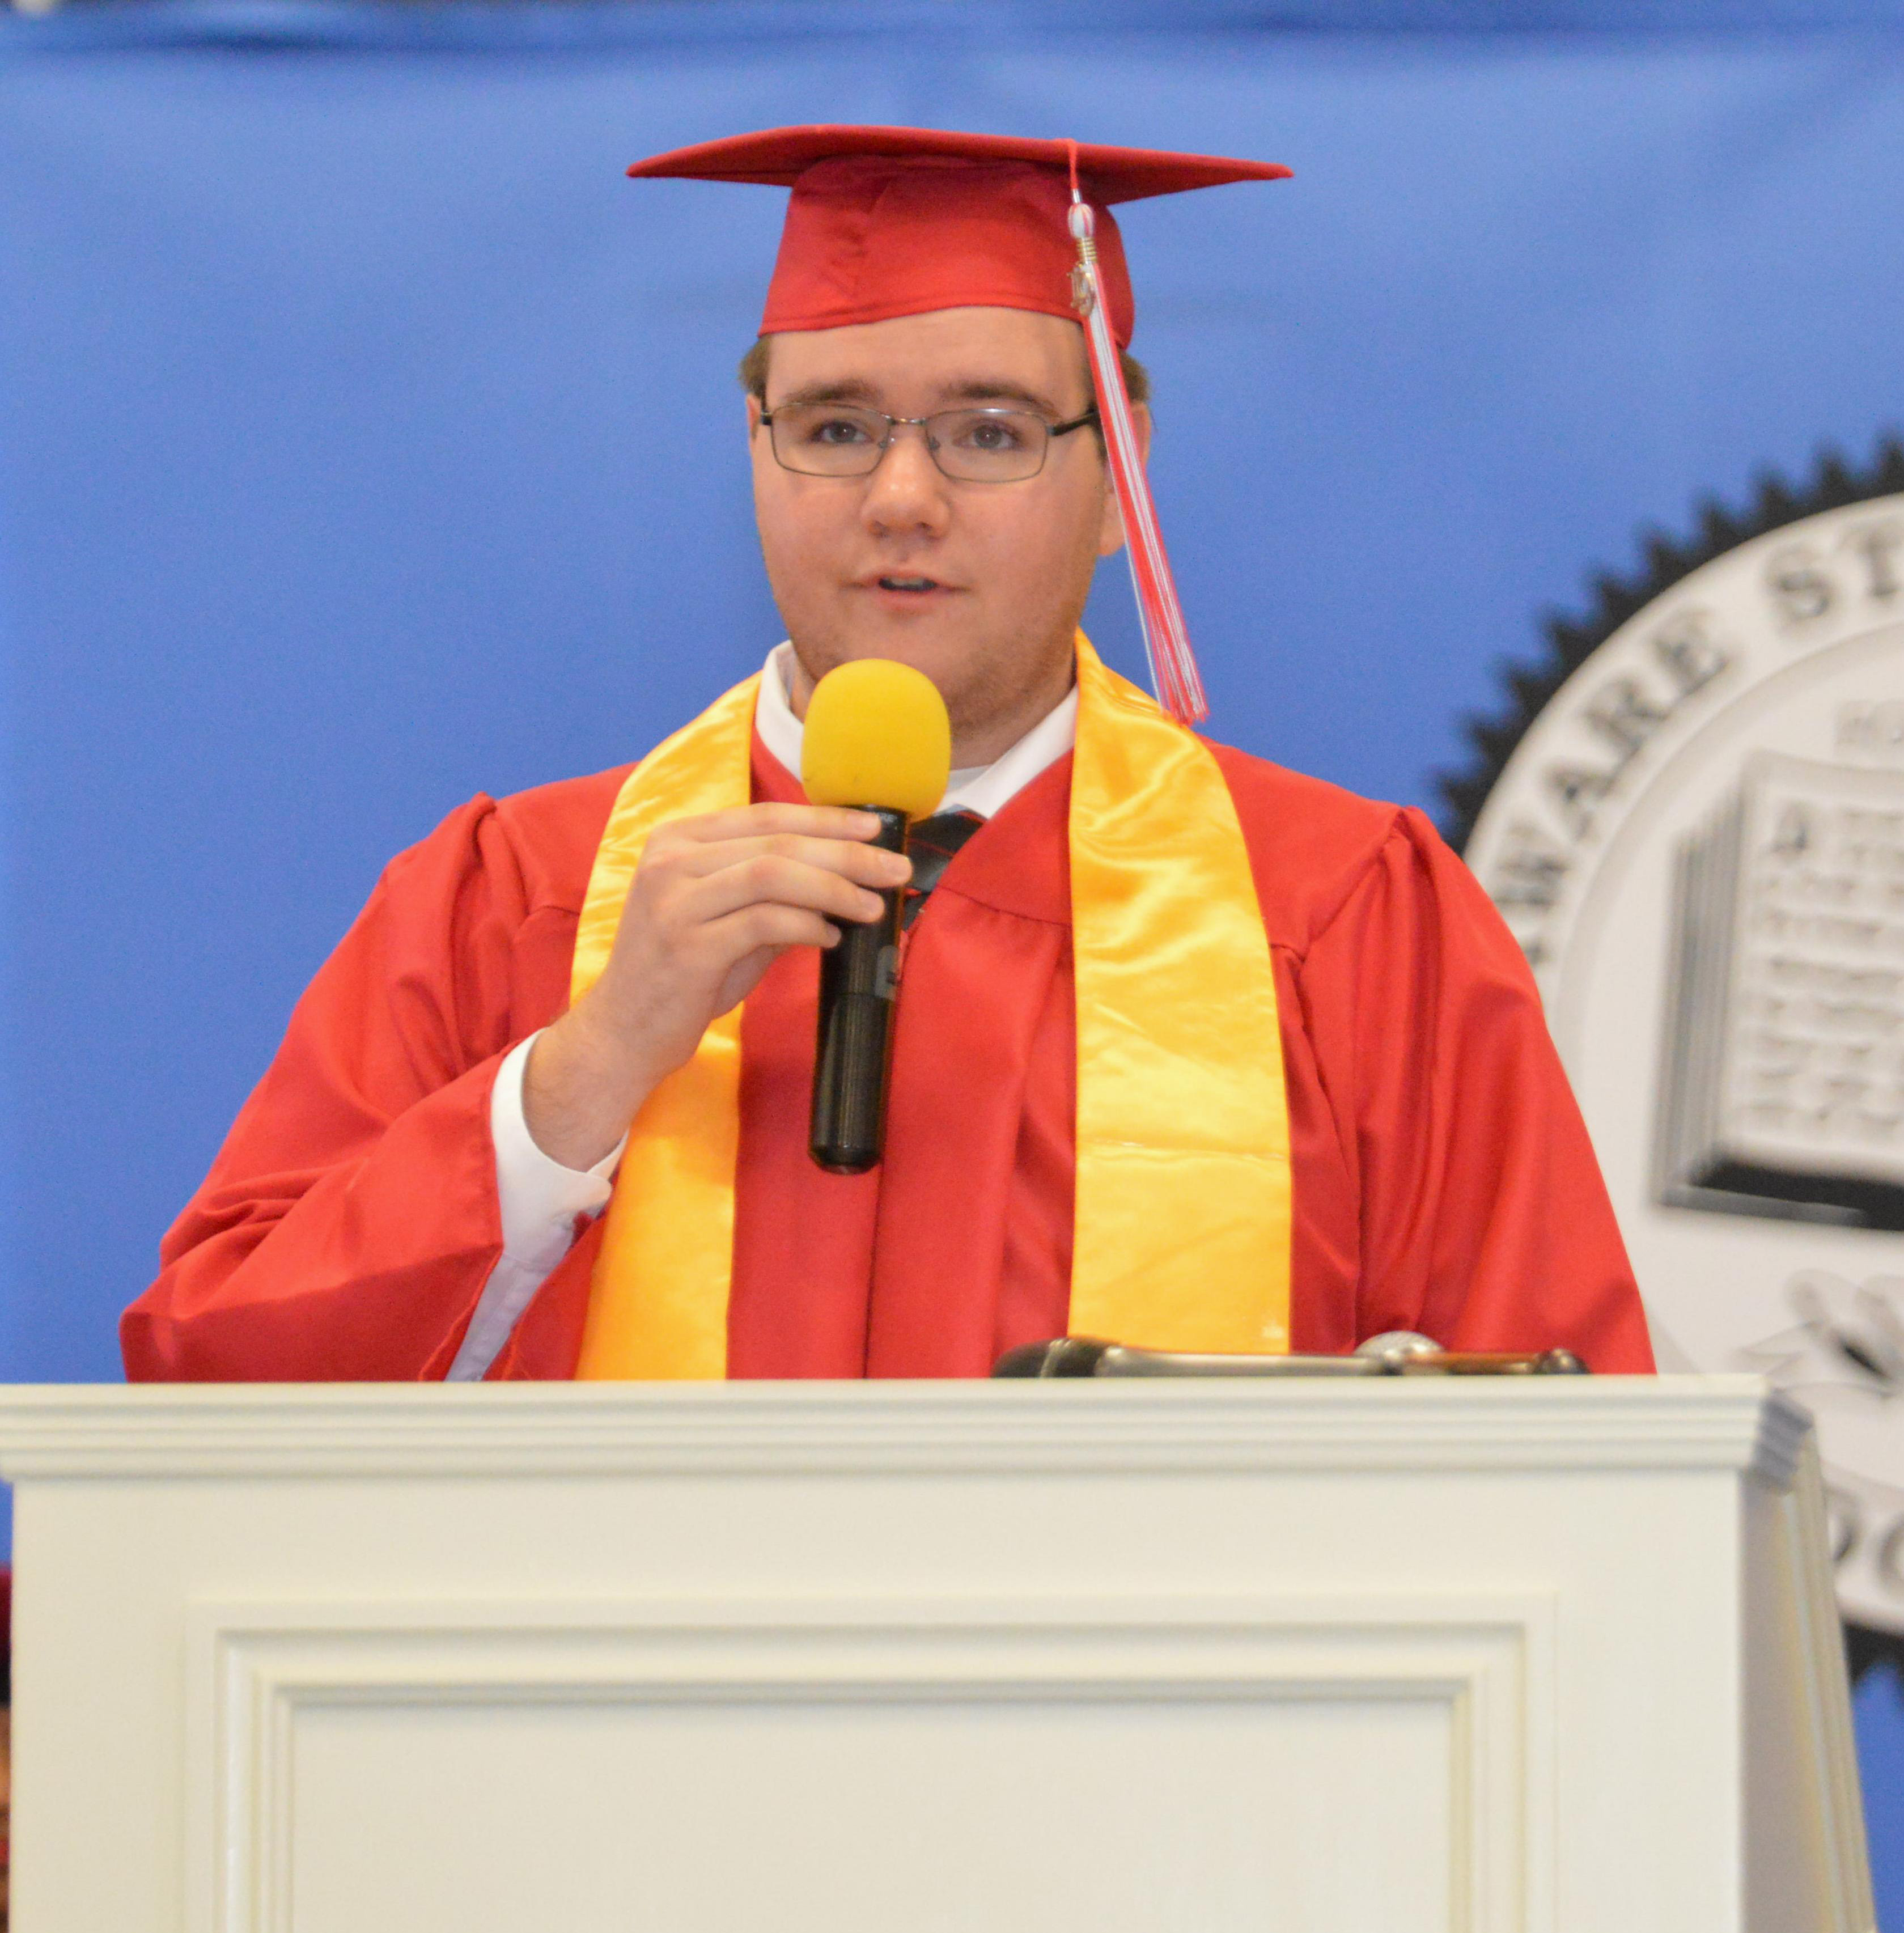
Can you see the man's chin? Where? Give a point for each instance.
(944, 651)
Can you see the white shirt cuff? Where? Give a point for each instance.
(539, 1200)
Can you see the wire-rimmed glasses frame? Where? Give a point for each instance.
(977, 443)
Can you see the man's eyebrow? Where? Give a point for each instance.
(986, 389)
(973, 389)
(850, 391)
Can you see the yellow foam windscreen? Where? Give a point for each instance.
(877, 734)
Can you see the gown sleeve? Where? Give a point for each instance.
(1484, 1221)
(350, 1220)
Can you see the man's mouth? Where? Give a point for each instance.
(915, 584)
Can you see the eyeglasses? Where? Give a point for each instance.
(971, 446)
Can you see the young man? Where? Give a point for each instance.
(1192, 1051)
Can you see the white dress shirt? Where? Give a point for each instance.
(541, 1201)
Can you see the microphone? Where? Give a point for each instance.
(1398, 1353)
(876, 738)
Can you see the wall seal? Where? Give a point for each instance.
(1691, 816)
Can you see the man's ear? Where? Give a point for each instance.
(754, 414)
(1110, 529)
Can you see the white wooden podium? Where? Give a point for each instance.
(1077, 1658)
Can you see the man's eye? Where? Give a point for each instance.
(992, 436)
(836, 432)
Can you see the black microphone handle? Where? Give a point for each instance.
(858, 988)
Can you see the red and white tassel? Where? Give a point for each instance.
(1174, 675)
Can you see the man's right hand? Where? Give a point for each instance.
(714, 901)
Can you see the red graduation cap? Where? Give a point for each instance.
(892, 221)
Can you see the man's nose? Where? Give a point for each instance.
(907, 491)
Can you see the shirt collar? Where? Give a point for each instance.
(984, 789)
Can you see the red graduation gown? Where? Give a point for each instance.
(1443, 1181)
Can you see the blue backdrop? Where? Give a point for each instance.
(366, 440)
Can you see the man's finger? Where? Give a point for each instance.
(744, 822)
(869, 865)
(768, 880)
(757, 926)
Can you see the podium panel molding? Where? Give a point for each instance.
(1483, 1664)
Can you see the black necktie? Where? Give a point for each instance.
(932, 844)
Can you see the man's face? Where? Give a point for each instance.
(979, 585)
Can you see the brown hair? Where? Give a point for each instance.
(753, 374)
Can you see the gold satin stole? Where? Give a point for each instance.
(1182, 1204)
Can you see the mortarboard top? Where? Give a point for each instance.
(892, 221)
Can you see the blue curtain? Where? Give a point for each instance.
(366, 440)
